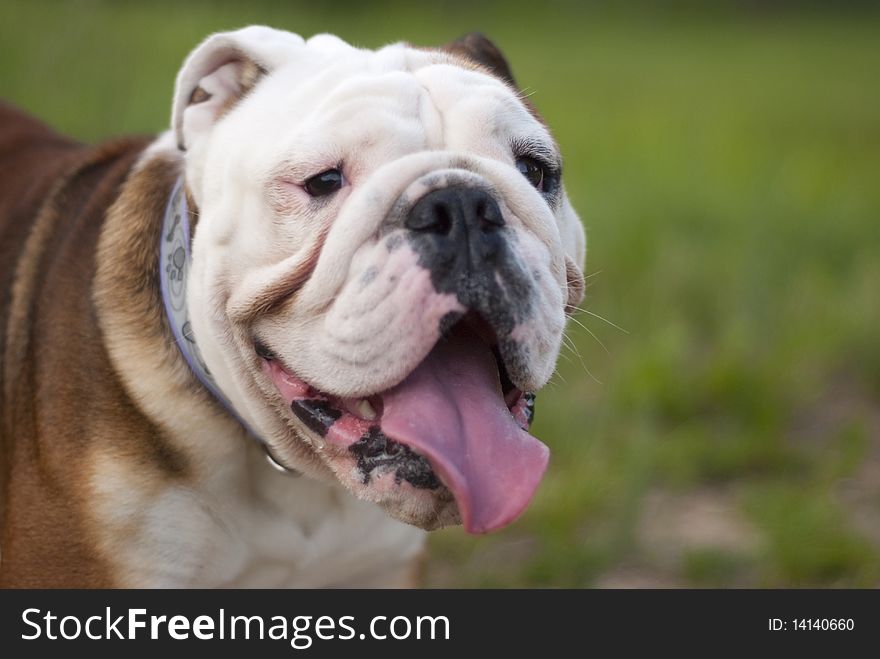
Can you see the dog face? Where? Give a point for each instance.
(382, 263)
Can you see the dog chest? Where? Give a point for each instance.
(253, 528)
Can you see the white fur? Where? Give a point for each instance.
(245, 525)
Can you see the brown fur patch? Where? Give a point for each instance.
(127, 288)
(58, 384)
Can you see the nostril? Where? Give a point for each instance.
(481, 210)
(434, 217)
(489, 216)
(442, 219)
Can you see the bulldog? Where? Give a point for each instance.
(277, 343)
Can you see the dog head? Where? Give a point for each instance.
(382, 264)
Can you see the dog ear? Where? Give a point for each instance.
(222, 70)
(478, 48)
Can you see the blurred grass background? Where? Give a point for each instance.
(726, 164)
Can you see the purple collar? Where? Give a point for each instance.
(174, 264)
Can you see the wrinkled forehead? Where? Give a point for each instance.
(429, 98)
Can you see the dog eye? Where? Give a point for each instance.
(320, 185)
(532, 170)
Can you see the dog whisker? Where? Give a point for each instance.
(590, 332)
(567, 341)
(602, 318)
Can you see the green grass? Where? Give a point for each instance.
(727, 168)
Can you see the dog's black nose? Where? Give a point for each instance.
(460, 225)
(460, 237)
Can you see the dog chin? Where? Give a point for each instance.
(447, 444)
(426, 509)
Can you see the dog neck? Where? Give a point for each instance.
(174, 264)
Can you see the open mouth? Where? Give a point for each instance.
(456, 420)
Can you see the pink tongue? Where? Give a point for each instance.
(451, 410)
